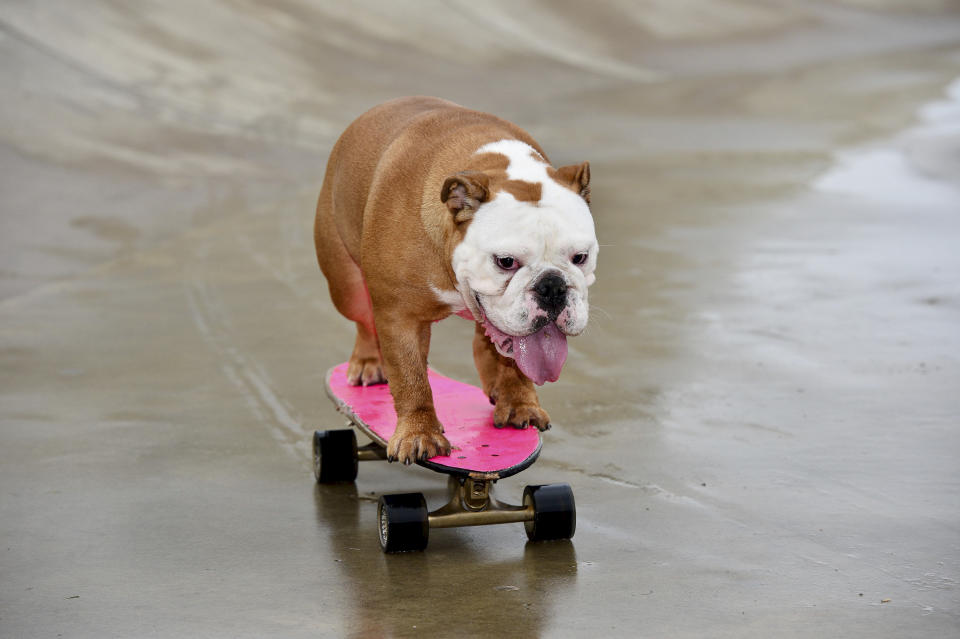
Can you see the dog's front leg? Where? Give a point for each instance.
(509, 390)
(404, 343)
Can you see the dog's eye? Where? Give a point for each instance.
(579, 259)
(506, 262)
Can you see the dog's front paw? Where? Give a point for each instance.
(417, 437)
(519, 412)
(365, 371)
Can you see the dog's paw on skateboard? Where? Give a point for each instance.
(520, 414)
(365, 371)
(412, 442)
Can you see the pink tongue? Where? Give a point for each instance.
(539, 356)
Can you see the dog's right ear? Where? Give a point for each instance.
(464, 192)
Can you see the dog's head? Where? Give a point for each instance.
(527, 256)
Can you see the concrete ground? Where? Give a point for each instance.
(760, 424)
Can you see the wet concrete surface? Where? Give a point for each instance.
(760, 424)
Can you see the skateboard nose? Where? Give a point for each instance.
(551, 291)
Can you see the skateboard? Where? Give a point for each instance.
(480, 455)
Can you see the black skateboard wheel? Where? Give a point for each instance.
(404, 522)
(554, 512)
(334, 456)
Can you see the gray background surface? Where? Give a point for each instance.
(760, 423)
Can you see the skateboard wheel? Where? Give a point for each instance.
(334, 456)
(554, 512)
(404, 522)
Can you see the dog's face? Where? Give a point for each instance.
(524, 265)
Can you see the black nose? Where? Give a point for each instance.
(551, 293)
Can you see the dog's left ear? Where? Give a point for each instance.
(578, 177)
(463, 193)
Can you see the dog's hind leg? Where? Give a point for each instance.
(349, 294)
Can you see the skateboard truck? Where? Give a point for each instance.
(472, 504)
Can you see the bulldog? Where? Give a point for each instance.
(430, 209)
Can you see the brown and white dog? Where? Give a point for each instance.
(429, 209)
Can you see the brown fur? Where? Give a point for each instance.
(395, 202)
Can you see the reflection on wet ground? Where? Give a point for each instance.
(759, 423)
(517, 585)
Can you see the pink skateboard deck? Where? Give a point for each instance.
(479, 449)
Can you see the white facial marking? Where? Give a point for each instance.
(525, 163)
(542, 236)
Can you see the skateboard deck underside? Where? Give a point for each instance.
(478, 448)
